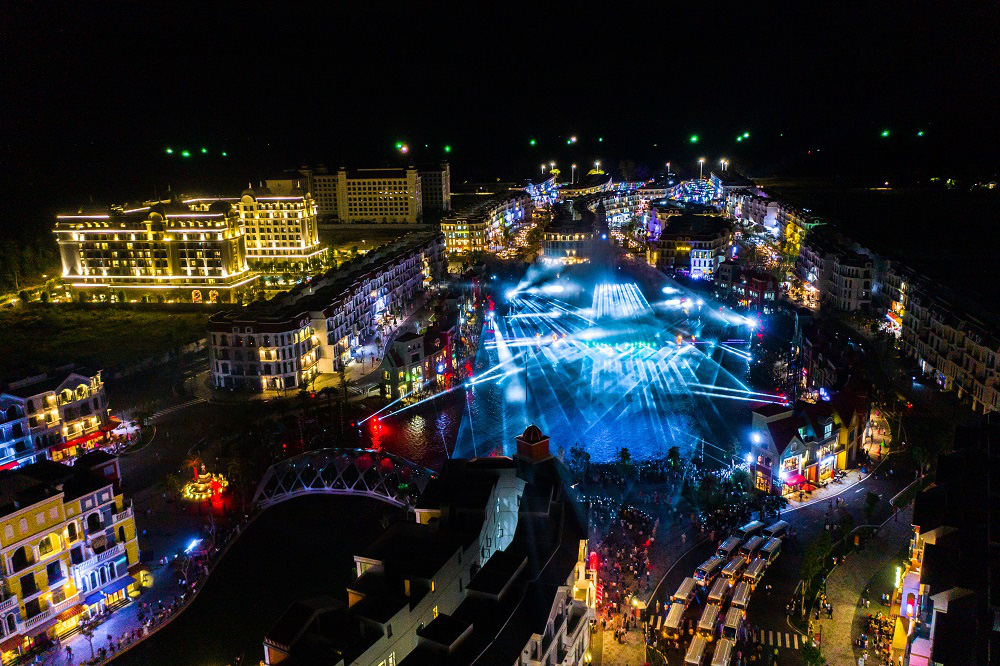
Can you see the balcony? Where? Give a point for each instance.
(38, 619)
(119, 517)
(109, 554)
(8, 604)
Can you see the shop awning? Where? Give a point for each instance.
(11, 643)
(794, 479)
(10, 465)
(72, 611)
(77, 441)
(93, 598)
(118, 585)
(807, 487)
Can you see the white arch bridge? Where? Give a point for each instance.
(362, 472)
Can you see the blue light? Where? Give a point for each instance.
(191, 546)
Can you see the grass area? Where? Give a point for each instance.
(344, 239)
(36, 339)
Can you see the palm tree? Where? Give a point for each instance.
(88, 632)
(194, 462)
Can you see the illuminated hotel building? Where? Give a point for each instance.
(279, 230)
(164, 251)
(486, 226)
(68, 549)
(386, 196)
(59, 417)
(316, 327)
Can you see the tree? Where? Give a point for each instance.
(579, 460)
(88, 632)
(871, 503)
(24, 295)
(674, 458)
(46, 297)
(812, 655)
(814, 558)
(625, 465)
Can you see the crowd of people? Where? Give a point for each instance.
(876, 639)
(624, 535)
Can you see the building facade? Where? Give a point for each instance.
(380, 196)
(319, 326)
(487, 226)
(57, 417)
(691, 244)
(68, 549)
(281, 230)
(416, 363)
(435, 186)
(164, 251)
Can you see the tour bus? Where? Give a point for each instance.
(770, 550)
(728, 548)
(777, 531)
(674, 627)
(741, 596)
(750, 548)
(708, 570)
(755, 571)
(684, 593)
(733, 569)
(752, 528)
(696, 652)
(706, 625)
(723, 652)
(734, 622)
(719, 592)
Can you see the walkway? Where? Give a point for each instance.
(848, 581)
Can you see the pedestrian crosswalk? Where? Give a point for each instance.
(176, 408)
(780, 639)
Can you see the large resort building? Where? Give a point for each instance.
(164, 251)
(318, 326)
(280, 230)
(491, 568)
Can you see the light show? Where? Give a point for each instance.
(613, 371)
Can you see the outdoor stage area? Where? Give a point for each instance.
(597, 363)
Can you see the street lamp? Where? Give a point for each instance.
(552, 165)
(543, 168)
(701, 168)
(572, 177)
(597, 166)
(668, 168)
(725, 163)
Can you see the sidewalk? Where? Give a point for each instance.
(832, 489)
(848, 581)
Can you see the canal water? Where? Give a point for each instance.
(297, 550)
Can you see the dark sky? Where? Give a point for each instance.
(92, 96)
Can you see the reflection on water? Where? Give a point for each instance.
(424, 434)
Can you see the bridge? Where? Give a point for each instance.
(360, 472)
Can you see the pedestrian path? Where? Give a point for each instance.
(847, 582)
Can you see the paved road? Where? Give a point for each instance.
(767, 607)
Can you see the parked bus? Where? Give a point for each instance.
(696, 652)
(673, 629)
(728, 548)
(734, 569)
(750, 548)
(741, 596)
(771, 550)
(734, 622)
(777, 531)
(719, 592)
(752, 528)
(706, 625)
(755, 571)
(708, 570)
(723, 652)
(684, 593)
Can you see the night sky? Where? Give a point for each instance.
(92, 98)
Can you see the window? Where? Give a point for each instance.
(434, 611)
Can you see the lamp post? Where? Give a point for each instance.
(701, 168)
(597, 166)
(725, 164)
(543, 168)
(552, 165)
(668, 168)
(572, 177)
